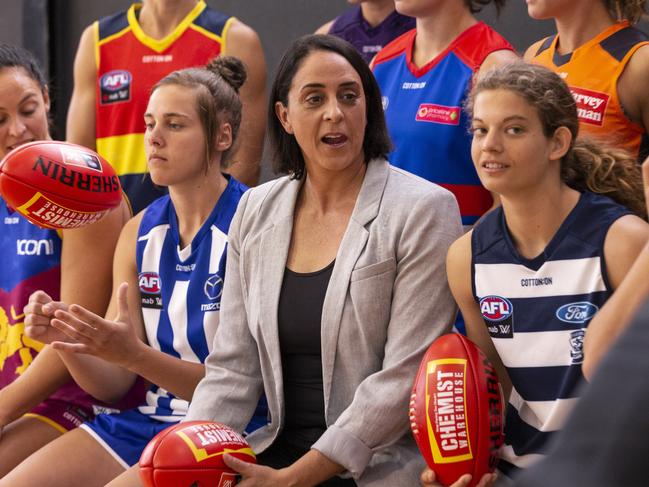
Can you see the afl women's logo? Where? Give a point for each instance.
(495, 308)
(149, 282)
(579, 312)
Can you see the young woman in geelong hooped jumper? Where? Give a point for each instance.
(531, 274)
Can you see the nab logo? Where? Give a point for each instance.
(149, 282)
(495, 308)
(115, 80)
(579, 312)
(213, 287)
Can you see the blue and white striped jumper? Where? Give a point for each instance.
(181, 288)
(536, 311)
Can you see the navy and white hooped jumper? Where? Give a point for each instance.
(181, 297)
(536, 312)
(181, 288)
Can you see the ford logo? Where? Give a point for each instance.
(579, 312)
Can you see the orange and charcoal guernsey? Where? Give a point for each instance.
(129, 64)
(592, 71)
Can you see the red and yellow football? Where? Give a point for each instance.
(456, 410)
(191, 455)
(58, 185)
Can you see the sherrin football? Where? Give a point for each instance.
(58, 185)
(456, 410)
(191, 455)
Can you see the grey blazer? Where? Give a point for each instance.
(387, 300)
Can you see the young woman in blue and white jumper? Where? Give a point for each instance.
(168, 273)
(532, 273)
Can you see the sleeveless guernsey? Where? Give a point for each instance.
(181, 288)
(592, 71)
(423, 109)
(129, 63)
(31, 262)
(368, 40)
(536, 312)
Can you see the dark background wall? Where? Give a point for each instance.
(51, 29)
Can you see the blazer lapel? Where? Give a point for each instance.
(351, 247)
(272, 263)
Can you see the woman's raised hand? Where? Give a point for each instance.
(114, 341)
(38, 315)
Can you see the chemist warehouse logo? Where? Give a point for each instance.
(591, 105)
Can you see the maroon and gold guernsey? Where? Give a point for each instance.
(129, 63)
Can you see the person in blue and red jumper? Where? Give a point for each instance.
(424, 76)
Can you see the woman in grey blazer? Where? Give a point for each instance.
(335, 286)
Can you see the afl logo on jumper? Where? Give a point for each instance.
(498, 314)
(580, 312)
(115, 87)
(149, 283)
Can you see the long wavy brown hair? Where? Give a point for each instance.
(630, 10)
(588, 164)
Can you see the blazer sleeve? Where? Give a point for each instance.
(232, 385)
(422, 308)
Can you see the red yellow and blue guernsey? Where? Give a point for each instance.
(423, 109)
(129, 64)
(592, 72)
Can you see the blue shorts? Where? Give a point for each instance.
(124, 435)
